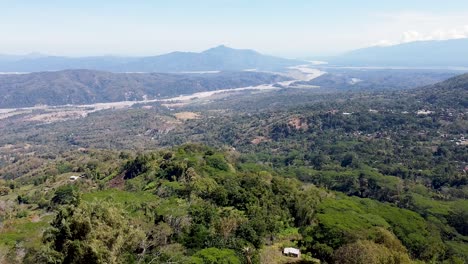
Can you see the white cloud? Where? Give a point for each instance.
(410, 36)
(410, 26)
(439, 34)
(383, 43)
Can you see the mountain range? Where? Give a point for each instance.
(220, 58)
(421, 54)
(434, 53)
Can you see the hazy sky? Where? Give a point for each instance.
(293, 28)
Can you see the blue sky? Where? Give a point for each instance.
(292, 28)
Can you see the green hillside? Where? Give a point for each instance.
(351, 177)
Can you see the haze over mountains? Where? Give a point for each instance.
(420, 54)
(220, 58)
(62, 80)
(434, 53)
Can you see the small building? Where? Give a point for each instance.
(424, 112)
(292, 252)
(74, 178)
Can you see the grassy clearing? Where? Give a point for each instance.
(23, 230)
(118, 196)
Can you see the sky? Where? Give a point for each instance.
(289, 28)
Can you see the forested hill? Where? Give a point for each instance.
(86, 86)
(346, 177)
(451, 93)
(194, 204)
(381, 186)
(378, 79)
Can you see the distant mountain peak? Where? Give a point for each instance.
(220, 48)
(223, 49)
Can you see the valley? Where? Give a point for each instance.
(234, 132)
(235, 157)
(48, 114)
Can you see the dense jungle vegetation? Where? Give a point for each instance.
(350, 177)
